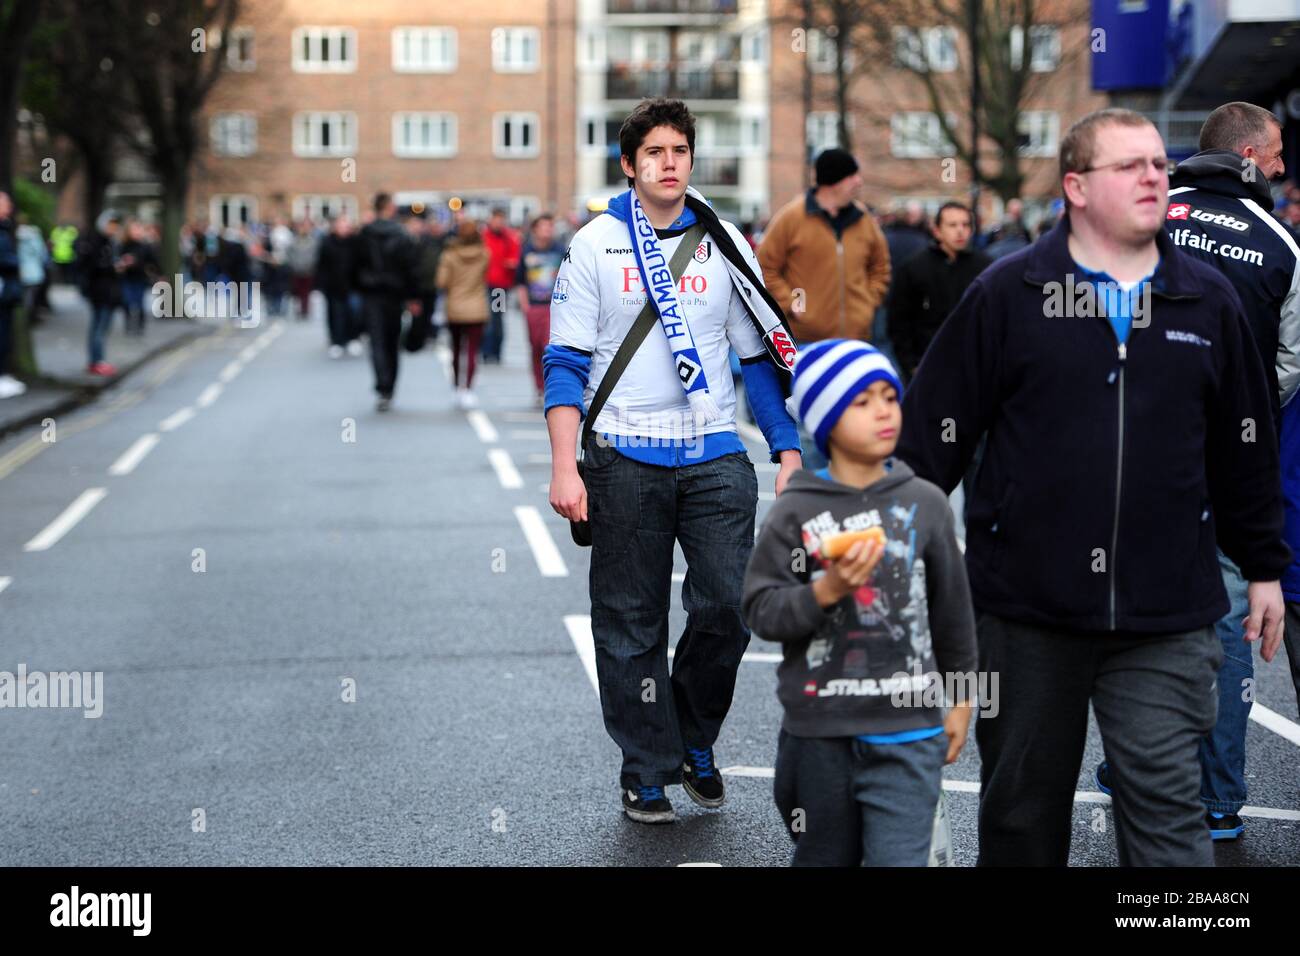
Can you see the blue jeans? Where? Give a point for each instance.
(1223, 750)
(101, 318)
(637, 512)
(494, 334)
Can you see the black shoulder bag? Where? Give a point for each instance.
(581, 530)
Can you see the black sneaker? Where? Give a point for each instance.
(1224, 826)
(1102, 776)
(701, 779)
(648, 805)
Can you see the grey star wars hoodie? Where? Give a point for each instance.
(871, 664)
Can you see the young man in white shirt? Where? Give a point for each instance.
(664, 463)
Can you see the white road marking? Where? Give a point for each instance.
(65, 522)
(5, 582)
(482, 426)
(176, 419)
(579, 627)
(506, 471)
(545, 553)
(231, 370)
(126, 463)
(1275, 722)
(249, 353)
(972, 786)
(208, 395)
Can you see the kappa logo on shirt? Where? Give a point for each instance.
(1178, 210)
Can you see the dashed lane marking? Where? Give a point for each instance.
(65, 522)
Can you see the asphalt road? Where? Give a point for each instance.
(318, 650)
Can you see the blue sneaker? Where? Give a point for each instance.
(648, 805)
(1224, 826)
(1102, 776)
(701, 779)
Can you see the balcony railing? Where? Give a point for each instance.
(627, 81)
(718, 7)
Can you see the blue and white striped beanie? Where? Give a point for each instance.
(828, 376)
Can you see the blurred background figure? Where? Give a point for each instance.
(1010, 234)
(138, 276)
(279, 239)
(539, 261)
(335, 263)
(302, 266)
(462, 270)
(385, 275)
(63, 250)
(430, 242)
(503, 249)
(33, 267)
(101, 270)
(11, 294)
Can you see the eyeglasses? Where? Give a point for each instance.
(1134, 167)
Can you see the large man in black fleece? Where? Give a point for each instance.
(1115, 451)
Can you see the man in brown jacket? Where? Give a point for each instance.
(825, 259)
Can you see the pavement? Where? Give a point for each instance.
(331, 636)
(61, 356)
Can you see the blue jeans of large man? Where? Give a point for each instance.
(1223, 750)
(637, 512)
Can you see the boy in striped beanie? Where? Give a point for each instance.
(857, 573)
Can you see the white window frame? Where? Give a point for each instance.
(935, 47)
(315, 35)
(909, 49)
(599, 147)
(823, 121)
(234, 62)
(499, 150)
(234, 200)
(430, 39)
(821, 52)
(305, 146)
(506, 55)
(753, 134)
(591, 53)
(1041, 35)
(523, 208)
(220, 130)
(1046, 122)
(311, 206)
(905, 139)
(417, 151)
(755, 40)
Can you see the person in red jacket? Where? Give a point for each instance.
(503, 249)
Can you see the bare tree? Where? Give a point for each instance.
(172, 60)
(17, 20)
(68, 66)
(885, 39)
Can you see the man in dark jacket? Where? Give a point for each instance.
(1115, 453)
(929, 285)
(1219, 212)
(335, 260)
(384, 271)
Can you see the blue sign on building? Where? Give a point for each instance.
(1130, 52)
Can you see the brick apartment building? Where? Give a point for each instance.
(896, 138)
(325, 102)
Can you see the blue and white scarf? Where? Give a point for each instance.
(661, 288)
